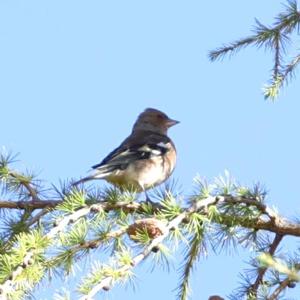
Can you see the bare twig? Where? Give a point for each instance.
(262, 271)
(283, 285)
(38, 216)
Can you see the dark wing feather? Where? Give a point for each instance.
(110, 156)
(127, 153)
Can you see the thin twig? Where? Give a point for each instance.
(283, 285)
(38, 216)
(262, 271)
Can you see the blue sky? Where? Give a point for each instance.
(75, 74)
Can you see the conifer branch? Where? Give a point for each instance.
(262, 271)
(59, 227)
(105, 205)
(7, 286)
(290, 68)
(279, 226)
(25, 181)
(273, 38)
(108, 281)
(282, 286)
(223, 206)
(92, 244)
(191, 257)
(277, 223)
(272, 89)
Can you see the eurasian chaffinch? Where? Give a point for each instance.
(146, 158)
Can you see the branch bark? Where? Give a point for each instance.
(262, 271)
(283, 285)
(33, 204)
(276, 223)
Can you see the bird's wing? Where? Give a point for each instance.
(130, 151)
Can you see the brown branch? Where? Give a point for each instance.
(38, 204)
(283, 285)
(276, 223)
(281, 226)
(262, 271)
(36, 218)
(252, 202)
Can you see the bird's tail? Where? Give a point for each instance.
(96, 175)
(88, 178)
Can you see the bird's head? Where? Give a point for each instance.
(154, 120)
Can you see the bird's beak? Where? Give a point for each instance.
(172, 122)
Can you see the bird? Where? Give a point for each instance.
(145, 159)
